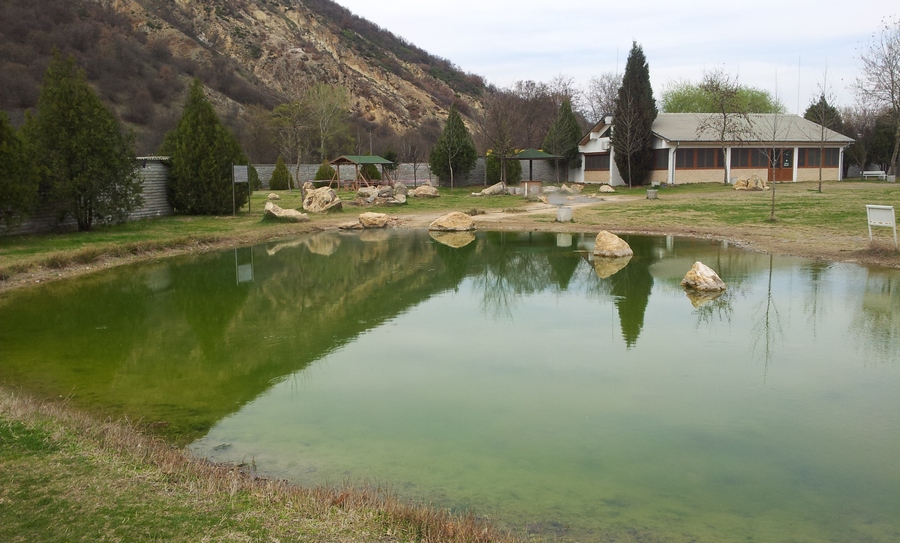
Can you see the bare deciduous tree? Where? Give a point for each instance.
(600, 96)
(879, 83)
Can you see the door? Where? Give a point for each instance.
(781, 165)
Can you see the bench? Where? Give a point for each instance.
(874, 173)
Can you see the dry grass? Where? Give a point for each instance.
(124, 465)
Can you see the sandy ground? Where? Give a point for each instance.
(808, 243)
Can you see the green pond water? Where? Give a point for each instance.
(513, 377)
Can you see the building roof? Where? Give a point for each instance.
(763, 128)
(534, 154)
(360, 159)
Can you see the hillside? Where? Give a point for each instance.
(251, 54)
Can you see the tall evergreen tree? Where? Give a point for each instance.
(88, 162)
(202, 152)
(18, 176)
(633, 119)
(454, 153)
(564, 134)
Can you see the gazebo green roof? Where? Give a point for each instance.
(360, 159)
(534, 154)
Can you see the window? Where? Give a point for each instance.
(660, 159)
(749, 158)
(809, 158)
(684, 158)
(599, 161)
(699, 159)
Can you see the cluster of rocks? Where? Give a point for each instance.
(382, 195)
(753, 183)
(612, 253)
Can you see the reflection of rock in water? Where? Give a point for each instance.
(607, 267)
(374, 236)
(285, 245)
(324, 243)
(453, 239)
(701, 297)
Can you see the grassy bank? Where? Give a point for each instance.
(67, 477)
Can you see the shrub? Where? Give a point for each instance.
(281, 177)
(325, 172)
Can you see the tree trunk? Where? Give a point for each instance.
(892, 170)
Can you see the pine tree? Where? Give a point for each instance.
(281, 177)
(202, 153)
(88, 163)
(564, 134)
(454, 153)
(633, 119)
(18, 176)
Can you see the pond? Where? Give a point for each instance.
(510, 375)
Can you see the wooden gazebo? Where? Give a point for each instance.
(356, 161)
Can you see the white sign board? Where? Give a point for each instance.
(881, 216)
(240, 174)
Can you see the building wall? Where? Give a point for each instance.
(812, 174)
(596, 176)
(153, 174)
(698, 176)
(543, 170)
(747, 173)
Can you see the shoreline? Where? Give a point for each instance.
(812, 247)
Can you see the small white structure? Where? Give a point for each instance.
(882, 216)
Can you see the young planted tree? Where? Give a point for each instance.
(729, 121)
(633, 119)
(18, 176)
(827, 117)
(88, 162)
(501, 121)
(202, 152)
(455, 152)
(879, 83)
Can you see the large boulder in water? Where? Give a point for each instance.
(610, 245)
(374, 220)
(453, 222)
(702, 277)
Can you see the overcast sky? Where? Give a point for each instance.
(780, 46)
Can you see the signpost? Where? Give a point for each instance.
(239, 174)
(882, 216)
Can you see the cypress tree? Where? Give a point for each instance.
(633, 119)
(202, 153)
(564, 134)
(281, 177)
(454, 153)
(18, 176)
(88, 163)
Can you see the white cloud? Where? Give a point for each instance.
(768, 43)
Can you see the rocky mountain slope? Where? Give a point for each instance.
(141, 53)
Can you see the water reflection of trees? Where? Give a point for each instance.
(768, 329)
(876, 323)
